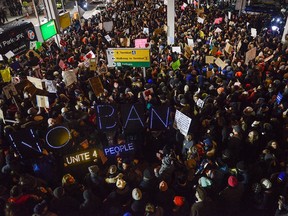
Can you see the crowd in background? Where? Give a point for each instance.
(232, 161)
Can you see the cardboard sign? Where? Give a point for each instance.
(96, 85)
(119, 150)
(80, 157)
(9, 90)
(93, 64)
(209, 59)
(182, 122)
(218, 30)
(42, 101)
(220, 63)
(239, 45)
(90, 55)
(250, 55)
(228, 48)
(108, 26)
(140, 43)
(36, 82)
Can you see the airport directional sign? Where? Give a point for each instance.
(118, 57)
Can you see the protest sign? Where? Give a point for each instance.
(118, 150)
(239, 45)
(200, 103)
(146, 31)
(108, 26)
(140, 43)
(6, 75)
(176, 49)
(253, 32)
(200, 20)
(220, 63)
(50, 86)
(36, 82)
(176, 65)
(96, 86)
(80, 157)
(182, 122)
(9, 90)
(42, 101)
(190, 42)
(218, 30)
(108, 38)
(228, 48)
(62, 64)
(93, 64)
(209, 59)
(69, 77)
(9, 54)
(250, 55)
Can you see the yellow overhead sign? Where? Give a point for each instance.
(65, 20)
(131, 57)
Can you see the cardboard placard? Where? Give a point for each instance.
(209, 59)
(250, 55)
(239, 45)
(228, 48)
(220, 63)
(108, 38)
(93, 64)
(36, 82)
(96, 85)
(42, 101)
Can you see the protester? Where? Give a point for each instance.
(122, 133)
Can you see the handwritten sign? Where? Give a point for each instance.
(220, 63)
(119, 149)
(36, 82)
(42, 101)
(228, 48)
(250, 55)
(96, 85)
(140, 43)
(182, 122)
(209, 59)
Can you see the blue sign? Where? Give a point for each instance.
(119, 149)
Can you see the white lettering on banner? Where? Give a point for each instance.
(12, 40)
(116, 150)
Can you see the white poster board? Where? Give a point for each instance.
(42, 101)
(36, 82)
(182, 122)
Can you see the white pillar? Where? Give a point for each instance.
(170, 21)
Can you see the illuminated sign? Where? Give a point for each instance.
(48, 30)
(118, 57)
(58, 137)
(80, 157)
(119, 149)
(133, 117)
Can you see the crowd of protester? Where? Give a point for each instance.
(231, 162)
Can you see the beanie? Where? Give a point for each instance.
(232, 181)
(179, 200)
(204, 182)
(136, 194)
(266, 183)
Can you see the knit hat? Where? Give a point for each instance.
(232, 181)
(93, 169)
(39, 208)
(204, 182)
(120, 183)
(281, 176)
(149, 208)
(266, 183)
(148, 174)
(179, 200)
(58, 192)
(136, 194)
(163, 186)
